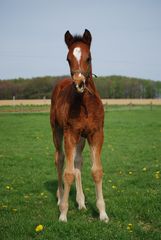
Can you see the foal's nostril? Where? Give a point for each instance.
(79, 81)
(80, 86)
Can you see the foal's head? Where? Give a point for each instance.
(79, 58)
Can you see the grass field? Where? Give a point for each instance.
(132, 185)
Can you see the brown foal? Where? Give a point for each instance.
(76, 115)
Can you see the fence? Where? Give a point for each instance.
(43, 105)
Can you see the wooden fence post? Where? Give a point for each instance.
(14, 104)
(151, 105)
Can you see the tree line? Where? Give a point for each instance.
(108, 87)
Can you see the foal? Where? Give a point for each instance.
(77, 114)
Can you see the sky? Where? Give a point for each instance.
(126, 36)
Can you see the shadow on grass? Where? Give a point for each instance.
(91, 206)
(51, 186)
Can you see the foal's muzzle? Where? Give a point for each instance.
(79, 81)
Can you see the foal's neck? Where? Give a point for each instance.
(90, 82)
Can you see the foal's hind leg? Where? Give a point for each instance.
(59, 159)
(78, 161)
(95, 142)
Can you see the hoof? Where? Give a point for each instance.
(82, 206)
(59, 196)
(58, 202)
(62, 218)
(104, 217)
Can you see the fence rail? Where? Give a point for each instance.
(43, 105)
(104, 101)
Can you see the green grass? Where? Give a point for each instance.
(132, 189)
(24, 108)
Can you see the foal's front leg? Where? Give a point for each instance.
(69, 173)
(95, 142)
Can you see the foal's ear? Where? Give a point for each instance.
(87, 37)
(68, 38)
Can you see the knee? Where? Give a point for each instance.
(68, 177)
(97, 175)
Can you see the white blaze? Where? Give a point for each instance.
(77, 53)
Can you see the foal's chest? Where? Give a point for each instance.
(86, 122)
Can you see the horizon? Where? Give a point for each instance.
(68, 76)
(126, 37)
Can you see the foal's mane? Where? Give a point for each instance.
(78, 38)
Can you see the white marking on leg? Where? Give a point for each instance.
(98, 186)
(80, 196)
(77, 53)
(100, 203)
(64, 201)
